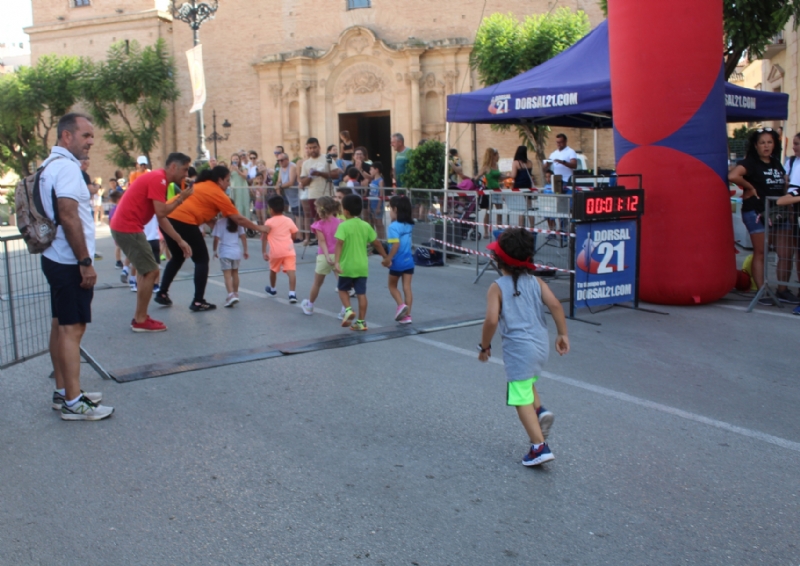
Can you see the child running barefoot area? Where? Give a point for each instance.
(325, 230)
(281, 255)
(352, 262)
(516, 303)
(226, 247)
(400, 260)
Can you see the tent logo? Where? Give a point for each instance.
(499, 104)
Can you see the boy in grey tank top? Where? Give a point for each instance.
(516, 303)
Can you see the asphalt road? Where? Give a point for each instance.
(677, 440)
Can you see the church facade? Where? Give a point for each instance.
(281, 71)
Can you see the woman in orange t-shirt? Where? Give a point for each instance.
(207, 200)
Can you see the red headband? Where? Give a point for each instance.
(507, 259)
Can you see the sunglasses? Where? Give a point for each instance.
(284, 159)
(253, 156)
(276, 152)
(762, 130)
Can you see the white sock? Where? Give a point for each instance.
(125, 269)
(310, 304)
(536, 446)
(61, 392)
(75, 400)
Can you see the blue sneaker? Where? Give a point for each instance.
(536, 457)
(796, 310)
(270, 291)
(546, 419)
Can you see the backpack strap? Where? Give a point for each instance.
(37, 197)
(791, 165)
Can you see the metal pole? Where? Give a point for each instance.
(11, 301)
(444, 200)
(214, 134)
(201, 134)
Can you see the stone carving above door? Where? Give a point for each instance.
(362, 87)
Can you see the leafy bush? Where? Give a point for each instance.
(425, 167)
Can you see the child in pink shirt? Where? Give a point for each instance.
(325, 230)
(281, 253)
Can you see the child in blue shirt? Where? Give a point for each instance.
(400, 260)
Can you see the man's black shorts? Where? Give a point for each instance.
(70, 303)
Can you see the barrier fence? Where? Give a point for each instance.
(24, 303)
(460, 223)
(781, 250)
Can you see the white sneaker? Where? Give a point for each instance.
(85, 410)
(352, 292)
(132, 283)
(307, 307)
(231, 300)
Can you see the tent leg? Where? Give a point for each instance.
(595, 156)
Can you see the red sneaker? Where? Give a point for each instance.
(149, 325)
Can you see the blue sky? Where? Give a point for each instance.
(16, 15)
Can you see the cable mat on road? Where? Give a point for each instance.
(161, 369)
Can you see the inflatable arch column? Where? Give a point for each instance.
(667, 87)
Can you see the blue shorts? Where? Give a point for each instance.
(357, 283)
(394, 273)
(753, 222)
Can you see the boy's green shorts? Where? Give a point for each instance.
(521, 392)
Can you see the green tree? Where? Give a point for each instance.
(128, 95)
(31, 102)
(749, 26)
(425, 167)
(505, 47)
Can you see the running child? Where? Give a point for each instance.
(400, 260)
(516, 301)
(325, 231)
(352, 263)
(114, 197)
(226, 247)
(281, 247)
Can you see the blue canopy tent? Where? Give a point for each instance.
(573, 89)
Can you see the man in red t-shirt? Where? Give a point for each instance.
(145, 197)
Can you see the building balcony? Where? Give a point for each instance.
(776, 45)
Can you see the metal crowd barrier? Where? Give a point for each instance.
(24, 303)
(456, 223)
(781, 250)
(477, 219)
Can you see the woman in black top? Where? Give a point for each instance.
(346, 146)
(761, 175)
(521, 171)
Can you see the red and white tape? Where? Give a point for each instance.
(504, 226)
(484, 254)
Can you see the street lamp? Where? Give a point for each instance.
(196, 14)
(215, 136)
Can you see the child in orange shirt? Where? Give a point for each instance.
(281, 253)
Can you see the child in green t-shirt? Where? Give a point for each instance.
(352, 263)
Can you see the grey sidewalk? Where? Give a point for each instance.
(402, 452)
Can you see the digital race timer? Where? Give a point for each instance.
(608, 204)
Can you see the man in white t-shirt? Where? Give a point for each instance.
(563, 160)
(316, 174)
(67, 265)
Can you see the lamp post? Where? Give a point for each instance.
(196, 14)
(215, 136)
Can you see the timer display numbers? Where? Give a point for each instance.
(608, 205)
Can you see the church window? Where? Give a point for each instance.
(353, 4)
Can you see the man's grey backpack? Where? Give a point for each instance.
(36, 228)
